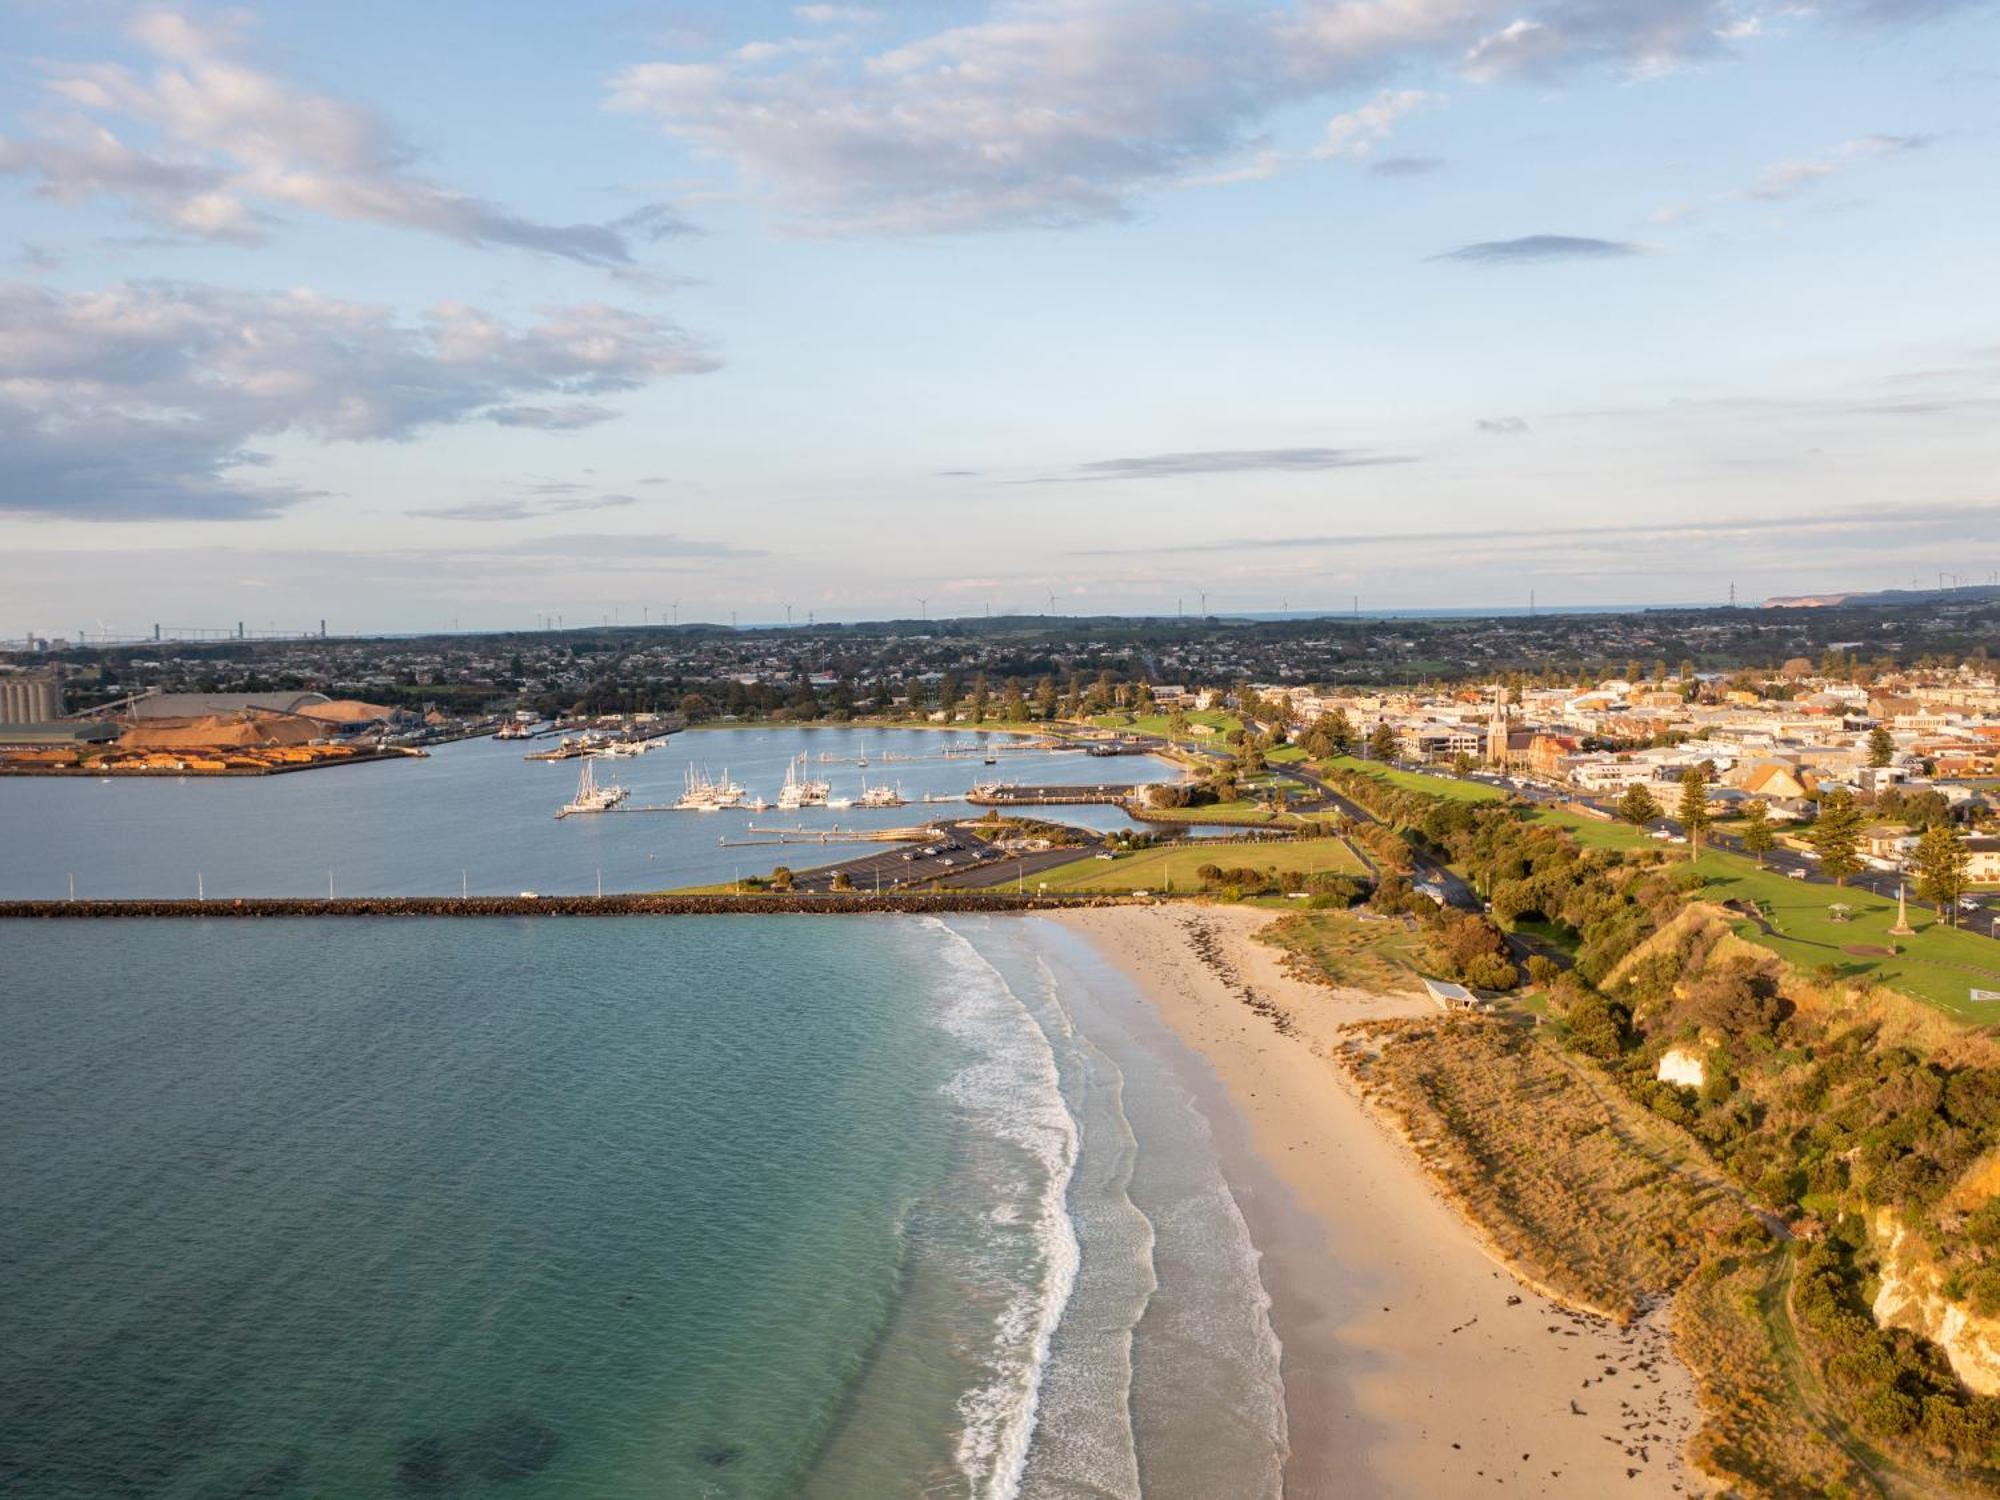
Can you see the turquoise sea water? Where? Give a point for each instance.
(733, 1207)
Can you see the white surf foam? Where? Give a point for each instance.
(1014, 1094)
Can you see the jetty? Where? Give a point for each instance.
(1116, 794)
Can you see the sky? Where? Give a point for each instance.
(481, 315)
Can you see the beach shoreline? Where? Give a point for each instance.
(1415, 1363)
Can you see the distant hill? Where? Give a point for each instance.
(1974, 593)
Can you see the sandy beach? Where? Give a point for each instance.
(1415, 1364)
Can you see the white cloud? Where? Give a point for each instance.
(1059, 112)
(228, 143)
(835, 15)
(1360, 131)
(1787, 179)
(142, 400)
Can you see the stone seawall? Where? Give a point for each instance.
(841, 903)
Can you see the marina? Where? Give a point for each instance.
(472, 818)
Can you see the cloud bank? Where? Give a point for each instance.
(142, 401)
(1061, 112)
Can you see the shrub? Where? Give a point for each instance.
(1598, 1026)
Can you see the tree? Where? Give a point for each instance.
(1836, 835)
(1940, 863)
(1881, 746)
(1463, 764)
(1340, 731)
(1637, 805)
(1045, 698)
(1758, 837)
(1693, 809)
(1382, 743)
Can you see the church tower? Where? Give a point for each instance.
(1497, 726)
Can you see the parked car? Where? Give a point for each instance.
(1795, 874)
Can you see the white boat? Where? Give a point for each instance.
(840, 804)
(881, 795)
(800, 789)
(702, 794)
(590, 797)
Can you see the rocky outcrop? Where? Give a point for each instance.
(1682, 1065)
(1912, 1296)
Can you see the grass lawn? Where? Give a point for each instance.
(1240, 811)
(1174, 869)
(1595, 834)
(1285, 755)
(1940, 964)
(1346, 950)
(1223, 724)
(1451, 787)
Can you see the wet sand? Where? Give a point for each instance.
(1415, 1364)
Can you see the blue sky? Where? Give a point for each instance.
(400, 315)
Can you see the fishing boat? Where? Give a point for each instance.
(590, 797)
(800, 789)
(881, 795)
(700, 793)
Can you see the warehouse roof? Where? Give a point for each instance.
(199, 705)
(68, 732)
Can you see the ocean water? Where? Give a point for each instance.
(734, 1207)
(477, 816)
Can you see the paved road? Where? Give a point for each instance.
(1015, 870)
(1456, 892)
(956, 857)
(893, 865)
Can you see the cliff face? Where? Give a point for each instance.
(1912, 1296)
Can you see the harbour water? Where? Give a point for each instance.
(844, 1208)
(476, 816)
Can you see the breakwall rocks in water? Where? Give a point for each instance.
(840, 903)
